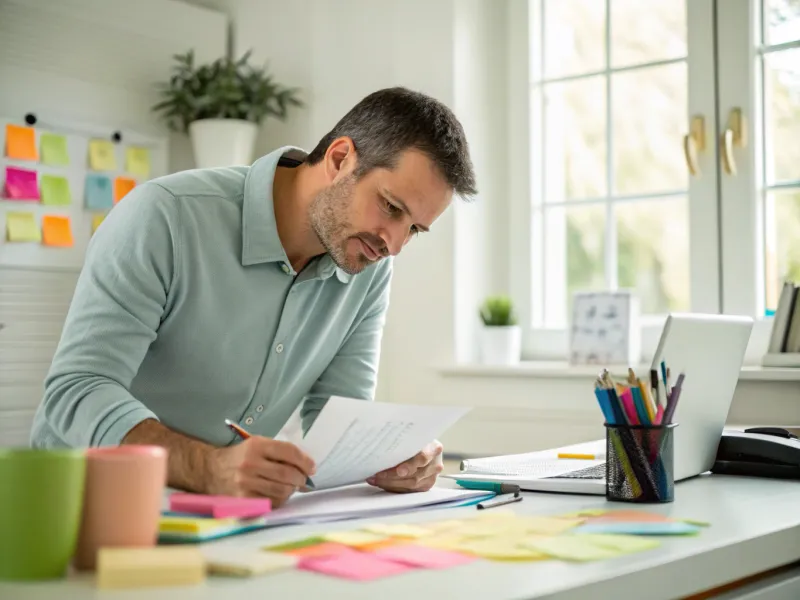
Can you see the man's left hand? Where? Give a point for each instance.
(417, 474)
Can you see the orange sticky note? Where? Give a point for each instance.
(122, 185)
(21, 142)
(57, 231)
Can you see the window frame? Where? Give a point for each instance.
(541, 342)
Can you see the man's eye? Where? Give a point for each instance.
(391, 208)
(414, 230)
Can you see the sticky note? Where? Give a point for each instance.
(588, 512)
(54, 149)
(323, 549)
(21, 142)
(22, 227)
(357, 566)
(98, 194)
(96, 221)
(244, 563)
(445, 541)
(21, 184)
(56, 231)
(638, 516)
(122, 185)
(569, 547)
(219, 507)
(547, 525)
(353, 538)
(489, 527)
(287, 546)
(501, 549)
(440, 526)
(620, 543)
(650, 528)
(143, 567)
(137, 161)
(55, 190)
(420, 556)
(102, 156)
(400, 530)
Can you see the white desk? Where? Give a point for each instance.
(755, 527)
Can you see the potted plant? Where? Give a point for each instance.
(221, 105)
(501, 337)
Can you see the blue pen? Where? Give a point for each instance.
(638, 402)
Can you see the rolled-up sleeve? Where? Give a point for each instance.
(120, 299)
(353, 372)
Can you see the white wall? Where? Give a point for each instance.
(457, 52)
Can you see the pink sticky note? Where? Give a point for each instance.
(219, 507)
(359, 566)
(21, 184)
(420, 556)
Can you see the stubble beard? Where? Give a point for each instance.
(328, 219)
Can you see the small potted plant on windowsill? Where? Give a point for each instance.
(501, 337)
(221, 106)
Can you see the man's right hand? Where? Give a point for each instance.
(259, 467)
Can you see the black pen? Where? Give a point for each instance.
(499, 501)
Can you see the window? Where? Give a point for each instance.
(614, 88)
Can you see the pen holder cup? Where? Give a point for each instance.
(639, 463)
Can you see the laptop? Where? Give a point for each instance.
(710, 350)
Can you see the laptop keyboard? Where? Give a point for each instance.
(593, 472)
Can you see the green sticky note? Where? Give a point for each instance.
(22, 227)
(620, 543)
(55, 190)
(54, 149)
(569, 547)
(296, 545)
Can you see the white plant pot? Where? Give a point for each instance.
(222, 142)
(501, 345)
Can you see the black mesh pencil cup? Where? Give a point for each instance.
(639, 463)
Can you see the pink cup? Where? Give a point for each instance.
(122, 500)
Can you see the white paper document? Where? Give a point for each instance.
(362, 501)
(352, 440)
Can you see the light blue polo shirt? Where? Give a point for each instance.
(188, 311)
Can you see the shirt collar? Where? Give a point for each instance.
(260, 240)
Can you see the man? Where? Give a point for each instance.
(240, 293)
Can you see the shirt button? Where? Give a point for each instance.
(248, 421)
(259, 408)
(279, 348)
(285, 268)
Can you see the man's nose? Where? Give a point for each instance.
(395, 238)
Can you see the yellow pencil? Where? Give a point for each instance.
(577, 456)
(648, 401)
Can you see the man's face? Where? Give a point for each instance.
(361, 221)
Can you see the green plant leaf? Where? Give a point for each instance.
(224, 88)
(498, 311)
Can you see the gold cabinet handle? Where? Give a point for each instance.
(694, 142)
(734, 135)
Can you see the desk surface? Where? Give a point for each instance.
(755, 526)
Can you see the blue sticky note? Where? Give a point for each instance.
(644, 528)
(98, 192)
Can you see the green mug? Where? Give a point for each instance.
(41, 498)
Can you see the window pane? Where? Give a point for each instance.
(647, 31)
(782, 242)
(574, 256)
(782, 122)
(574, 37)
(649, 111)
(781, 21)
(653, 252)
(575, 139)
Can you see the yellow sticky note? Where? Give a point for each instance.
(122, 185)
(501, 549)
(569, 547)
(57, 231)
(143, 567)
(102, 156)
(400, 530)
(243, 562)
(54, 149)
(21, 142)
(547, 525)
(587, 512)
(22, 227)
(441, 526)
(489, 527)
(620, 543)
(137, 161)
(443, 541)
(353, 538)
(55, 191)
(96, 221)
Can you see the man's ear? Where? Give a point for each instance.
(340, 158)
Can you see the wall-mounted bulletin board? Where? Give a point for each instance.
(59, 180)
